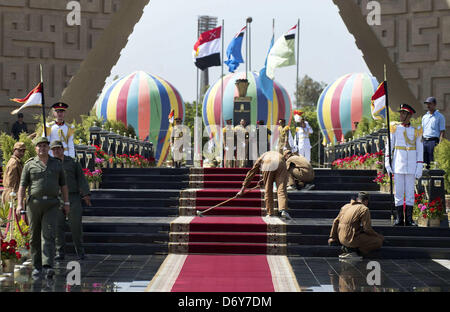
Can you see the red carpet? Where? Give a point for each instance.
(228, 224)
(228, 249)
(224, 273)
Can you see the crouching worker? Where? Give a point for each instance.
(301, 173)
(353, 229)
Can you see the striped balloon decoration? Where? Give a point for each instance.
(344, 102)
(143, 101)
(261, 108)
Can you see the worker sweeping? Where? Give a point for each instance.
(273, 168)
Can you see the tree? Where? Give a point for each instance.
(308, 92)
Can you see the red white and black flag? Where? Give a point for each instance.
(34, 98)
(207, 49)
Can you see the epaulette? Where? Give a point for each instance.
(51, 123)
(29, 159)
(394, 125)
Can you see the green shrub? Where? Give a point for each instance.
(442, 157)
(31, 151)
(119, 126)
(82, 128)
(7, 145)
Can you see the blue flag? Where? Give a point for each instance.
(266, 82)
(234, 54)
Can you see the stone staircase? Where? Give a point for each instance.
(133, 211)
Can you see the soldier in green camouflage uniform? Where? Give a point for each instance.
(77, 185)
(44, 177)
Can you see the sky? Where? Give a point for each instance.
(162, 42)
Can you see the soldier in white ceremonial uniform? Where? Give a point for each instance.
(59, 130)
(407, 163)
(301, 140)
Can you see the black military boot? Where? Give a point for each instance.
(409, 216)
(399, 221)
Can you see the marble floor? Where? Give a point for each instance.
(126, 273)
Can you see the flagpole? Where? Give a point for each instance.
(197, 99)
(249, 21)
(273, 36)
(298, 58)
(221, 96)
(43, 101)
(246, 48)
(389, 140)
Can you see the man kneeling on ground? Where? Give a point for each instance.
(353, 229)
(301, 173)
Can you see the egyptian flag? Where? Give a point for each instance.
(378, 105)
(34, 98)
(207, 49)
(282, 53)
(234, 54)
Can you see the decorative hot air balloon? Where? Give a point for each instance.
(344, 102)
(145, 102)
(261, 108)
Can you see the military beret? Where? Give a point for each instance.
(19, 146)
(56, 144)
(41, 140)
(407, 108)
(60, 106)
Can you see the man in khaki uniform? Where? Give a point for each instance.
(228, 143)
(284, 137)
(44, 177)
(78, 185)
(13, 171)
(273, 168)
(300, 171)
(353, 229)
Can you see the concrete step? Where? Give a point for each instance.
(130, 211)
(136, 202)
(121, 249)
(143, 184)
(331, 213)
(113, 238)
(391, 241)
(383, 253)
(146, 171)
(134, 193)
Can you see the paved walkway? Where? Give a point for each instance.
(125, 273)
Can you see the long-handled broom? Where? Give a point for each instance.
(200, 213)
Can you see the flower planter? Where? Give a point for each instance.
(97, 185)
(428, 222)
(92, 185)
(8, 265)
(385, 188)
